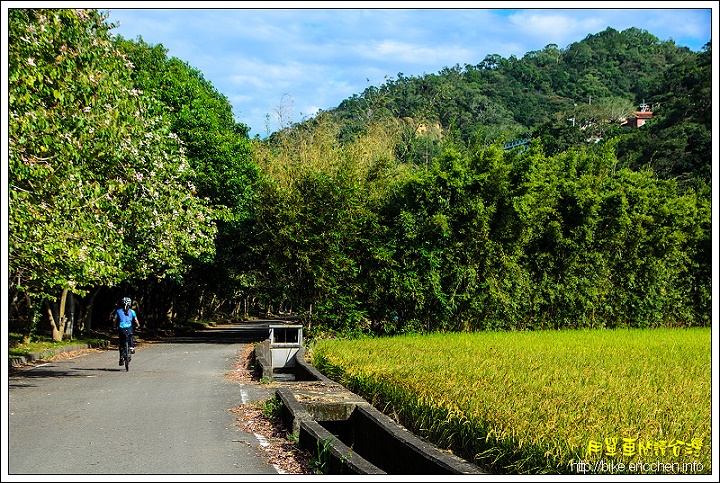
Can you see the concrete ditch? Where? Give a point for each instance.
(345, 431)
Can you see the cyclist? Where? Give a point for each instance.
(124, 320)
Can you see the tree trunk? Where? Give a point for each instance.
(217, 305)
(11, 305)
(56, 333)
(34, 314)
(70, 321)
(201, 307)
(170, 315)
(57, 317)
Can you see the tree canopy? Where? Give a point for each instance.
(100, 187)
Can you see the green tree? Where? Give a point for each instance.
(100, 191)
(219, 152)
(510, 240)
(316, 230)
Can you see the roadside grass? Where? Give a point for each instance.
(19, 347)
(557, 402)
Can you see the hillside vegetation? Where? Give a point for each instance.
(397, 211)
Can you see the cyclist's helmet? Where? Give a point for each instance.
(127, 302)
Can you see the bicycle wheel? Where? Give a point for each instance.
(127, 355)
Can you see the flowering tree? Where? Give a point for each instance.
(100, 190)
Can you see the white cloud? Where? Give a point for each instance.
(396, 51)
(567, 26)
(549, 26)
(247, 81)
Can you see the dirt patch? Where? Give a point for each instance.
(280, 451)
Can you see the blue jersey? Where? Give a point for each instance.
(125, 320)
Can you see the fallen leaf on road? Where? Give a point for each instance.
(281, 451)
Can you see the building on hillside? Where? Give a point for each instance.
(639, 117)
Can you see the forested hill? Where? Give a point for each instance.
(558, 94)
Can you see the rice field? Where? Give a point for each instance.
(559, 402)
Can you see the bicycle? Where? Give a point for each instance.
(125, 353)
(127, 356)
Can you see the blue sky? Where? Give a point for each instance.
(268, 58)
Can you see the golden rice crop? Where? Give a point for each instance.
(583, 401)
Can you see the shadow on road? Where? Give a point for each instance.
(37, 372)
(234, 333)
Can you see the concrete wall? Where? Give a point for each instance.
(348, 432)
(335, 457)
(369, 436)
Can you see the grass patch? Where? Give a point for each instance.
(272, 408)
(17, 347)
(543, 402)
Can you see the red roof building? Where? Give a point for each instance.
(639, 117)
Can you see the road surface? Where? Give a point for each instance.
(168, 415)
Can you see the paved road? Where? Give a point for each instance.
(168, 415)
